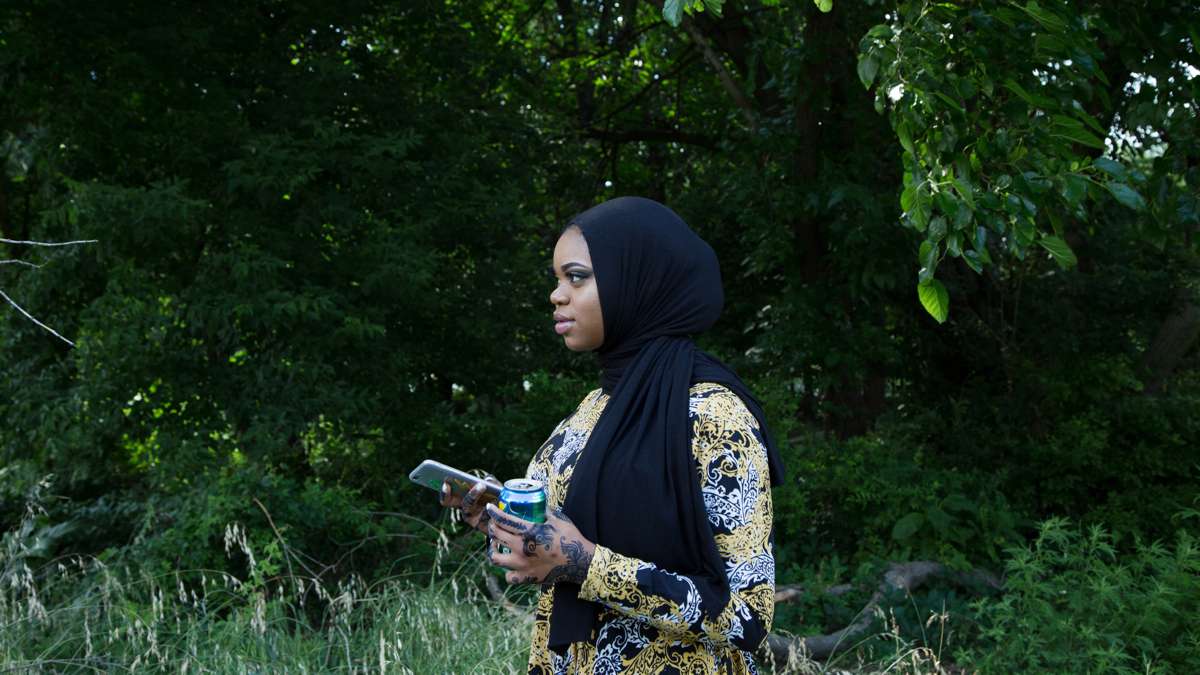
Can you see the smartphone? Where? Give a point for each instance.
(432, 474)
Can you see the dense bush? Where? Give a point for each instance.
(1074, 604)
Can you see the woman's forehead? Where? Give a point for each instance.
(572, 247)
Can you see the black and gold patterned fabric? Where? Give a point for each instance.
(652, 621)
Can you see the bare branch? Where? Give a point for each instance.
(19, 262)
(30, 317)
(905, 577)
(49, 243)
(29, 264)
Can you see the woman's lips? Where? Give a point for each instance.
(561, 327)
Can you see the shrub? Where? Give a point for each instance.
(1073, 604)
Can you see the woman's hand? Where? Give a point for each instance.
(470, 504)
(539, 553)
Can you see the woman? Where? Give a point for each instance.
(658, 556)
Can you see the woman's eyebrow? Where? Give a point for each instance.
(568, 265)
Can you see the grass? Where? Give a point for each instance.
(82, 615)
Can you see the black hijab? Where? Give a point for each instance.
(635, 488)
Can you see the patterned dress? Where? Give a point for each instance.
(652, 620)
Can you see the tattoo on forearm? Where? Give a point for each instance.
(575, 569)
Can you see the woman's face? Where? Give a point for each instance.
(576, 297)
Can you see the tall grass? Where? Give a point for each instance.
(83, 615)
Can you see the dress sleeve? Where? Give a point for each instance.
(735, 482)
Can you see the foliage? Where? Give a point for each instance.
(1072, 605)
(1020, 122)
(878, 495)
(320, 228)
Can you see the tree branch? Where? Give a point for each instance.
(735, 92)
(899, 577)
(22, 262)
(30, 317)
(1176, 336)
(49, 243)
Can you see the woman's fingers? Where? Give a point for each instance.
(471, 503)
(503, 547)
(447, 497)
(507, 522)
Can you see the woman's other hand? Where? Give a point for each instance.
(470, 505)
(539, 553)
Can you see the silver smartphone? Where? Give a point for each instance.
(432, 474)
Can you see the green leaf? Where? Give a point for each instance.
(950, 102)
(935, 299)
(824, 5)
(921, 211)
(940, 520)
(868, 67)
(880, 31)
(1017, 89)
(971, 257)
(907, 526)
(958, 502)
(965, 192)
(1035, 100)
(1081, 136)
(1127, 196)
(1058, 248)
(1110, 167)
(1087, 119)
(908, 198)
(928, 255)
(1074, 188)
(905, 137)
(954, 244)
(673, 12)
(937, 229)
(1044, 17)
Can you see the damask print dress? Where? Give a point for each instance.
(652, 620)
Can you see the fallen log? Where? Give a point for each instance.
(904, 577)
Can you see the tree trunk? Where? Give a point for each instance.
(1176, 337)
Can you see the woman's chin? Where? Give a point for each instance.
(576, 345)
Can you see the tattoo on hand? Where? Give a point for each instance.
(509, 523)
(540, 535)
(576, 567)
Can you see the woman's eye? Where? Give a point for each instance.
(576, 277)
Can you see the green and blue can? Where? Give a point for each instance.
(524, 498)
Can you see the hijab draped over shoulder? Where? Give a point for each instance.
(635, 488)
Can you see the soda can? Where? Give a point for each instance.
(524, 498)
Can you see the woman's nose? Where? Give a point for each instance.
(558, 296)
